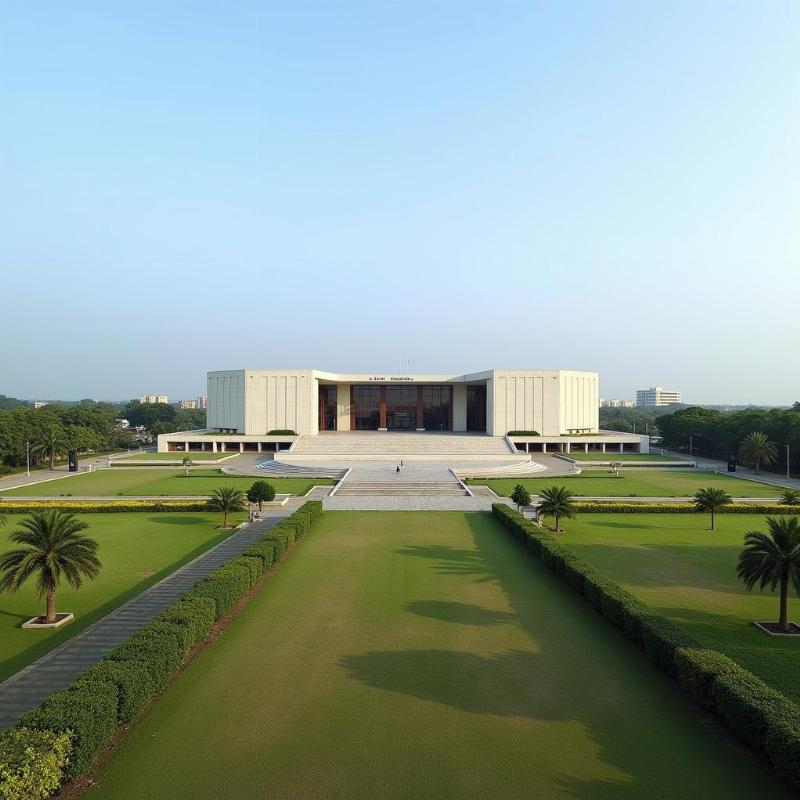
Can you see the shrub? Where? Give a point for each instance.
(197, 615)
(134, 684)
(281, 432)
(87, 712)
(31, 763)
(264, 551)
(224, 586)
(158, 648)
(697, 668)
(114, 506)
(523, 433)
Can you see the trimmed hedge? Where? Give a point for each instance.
(621, 507)
(31, 763)
(87, 712)
(758, 715)
(85, 716)
(113, 506)
(133, 682)
(281, 432)
(197, 615)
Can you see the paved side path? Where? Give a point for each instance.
(55, 670)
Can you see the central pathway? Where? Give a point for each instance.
(57, 669)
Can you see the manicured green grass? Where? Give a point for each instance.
(199, 456)
(143, 481)
(688, 572)
(623, 457)
(656, 483)
(422, 655)
(136, 551)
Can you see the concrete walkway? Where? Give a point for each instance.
(57, 669)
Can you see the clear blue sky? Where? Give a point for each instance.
(188, 186)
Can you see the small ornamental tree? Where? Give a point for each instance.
(556, 502)
(713, 500)
(773, 559)
(615, 466)
(187, 462)
(521, 496)
(227, 500)
(261, 492)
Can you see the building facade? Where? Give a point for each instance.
(154, 398)
(257, 402)
(657, 396)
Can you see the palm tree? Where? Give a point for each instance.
(713, 500)
(50, 442)
(556, 501)
(773, 559)
(756, 449)
(54, 550)
(790, 497)
(228, 500)
(187, 462)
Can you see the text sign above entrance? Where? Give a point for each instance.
(381, 378)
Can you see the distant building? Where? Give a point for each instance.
(185, 405)
(123, 424)
(202, 401)
(657, 396)
(153, 398)
(616, 403)
(39, 404)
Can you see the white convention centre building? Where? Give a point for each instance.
(252, 410)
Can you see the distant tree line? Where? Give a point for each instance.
(717, 434)
(55, 429)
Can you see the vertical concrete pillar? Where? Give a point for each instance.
(258, 447)
(603, 446)
(213, 447)
(586, 447)
(544, 447)
(241, 447)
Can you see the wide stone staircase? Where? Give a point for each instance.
(409, 446)
(401, 488)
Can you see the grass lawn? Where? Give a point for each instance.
(200, 456)
(136, 551)
(689, 573)
(422, 655)
(656, 483)
(624, 457)
(142, 481)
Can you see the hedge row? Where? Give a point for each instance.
(120, 506)
(114, 690)
(622, 507)
(758, 715)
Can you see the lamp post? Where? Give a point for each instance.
(28, 458)
(690, 447)
(787, 463)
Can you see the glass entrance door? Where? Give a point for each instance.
(401, 408)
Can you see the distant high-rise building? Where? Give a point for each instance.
(185, 405)
(615, 403)
(39, 404)
(154, 398)
(657, 396)
(202, 401)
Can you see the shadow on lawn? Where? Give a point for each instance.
(461, 613)
(579, 670)
(177, 519)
